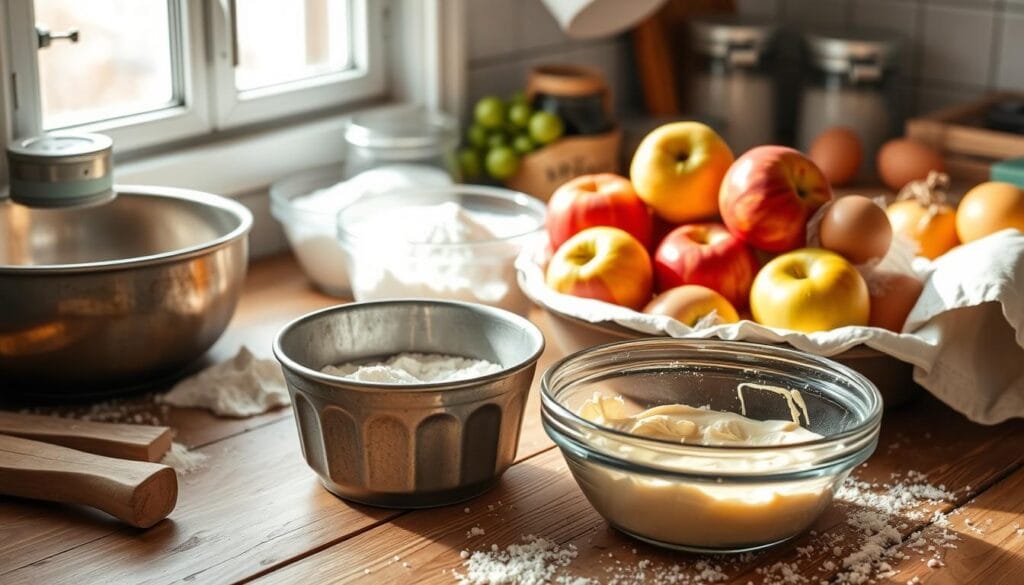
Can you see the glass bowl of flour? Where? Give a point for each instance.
(307, 205)
(457, 243)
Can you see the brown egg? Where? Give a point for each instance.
(690, 303)
(837, 152)
(893, 295)
(903, 160)
(855, 228)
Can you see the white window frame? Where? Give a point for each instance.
(131, 132)
(365, 79)
(425, 54)
(210, 101)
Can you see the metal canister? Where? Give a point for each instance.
(848, 81)
(733, 86)
(61, 169)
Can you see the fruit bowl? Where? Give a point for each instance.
(578, 324)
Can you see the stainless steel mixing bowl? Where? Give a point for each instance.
(102, 300)
(409, 445)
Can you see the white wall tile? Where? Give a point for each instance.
(1010, 74)
(763, 8)
(982, 3)
(539, 28)
(956, 44)
(501, 79)
(816, 14)
(493, 27)
(900, 18)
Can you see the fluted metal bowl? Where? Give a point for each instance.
(106, 299)
(408, 445)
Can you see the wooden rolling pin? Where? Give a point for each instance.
(126, 441)
(139, 493)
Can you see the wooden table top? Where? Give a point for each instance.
(255, 511)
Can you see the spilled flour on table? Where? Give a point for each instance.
(877, 515)
(240, 387)
(182, 460)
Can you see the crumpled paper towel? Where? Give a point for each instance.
(964, 337)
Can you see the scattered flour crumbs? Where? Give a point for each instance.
(242, 386)
(182, 460)
(415, 368)
(877, 516)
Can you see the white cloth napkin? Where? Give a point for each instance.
(965, 335)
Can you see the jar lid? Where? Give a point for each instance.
(565, 80)
(61, 169)
(402, 127)
(740, 40)
(60, 147)
(860, 54)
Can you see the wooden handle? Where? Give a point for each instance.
(123, 441)
(137, 492)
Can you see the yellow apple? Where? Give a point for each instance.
(603, 263)
(690, 303)
(809, 290)
(677, 171)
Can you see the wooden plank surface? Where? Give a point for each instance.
(256, 510)
(264, 499)
(539, 497)
(990, 545)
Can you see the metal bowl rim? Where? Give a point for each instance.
(335, 381)
(243, 215)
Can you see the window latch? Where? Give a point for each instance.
(45, 37)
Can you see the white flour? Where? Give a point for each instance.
(415, 368)
(242, 386)
(418, 252)
(182, 460)
(311, 220)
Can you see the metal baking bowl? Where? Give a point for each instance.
(107, 299)
(408, 445)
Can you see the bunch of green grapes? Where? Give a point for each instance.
(502, 132)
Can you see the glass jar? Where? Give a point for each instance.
(402, 139)
(578, 95)
(733, 86)
(848, 81)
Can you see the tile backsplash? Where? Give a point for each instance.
(507, 37)
(954, 50)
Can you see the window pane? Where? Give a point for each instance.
(277, 45)
(121, 64)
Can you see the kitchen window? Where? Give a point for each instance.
(154, 72)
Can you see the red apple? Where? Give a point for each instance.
(602, 263)
(708, 255)
(597, 200)
(768, 195)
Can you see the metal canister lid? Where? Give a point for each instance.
(859, 54)
(61, 169)
(739, 40)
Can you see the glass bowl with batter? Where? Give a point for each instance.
(708, 445)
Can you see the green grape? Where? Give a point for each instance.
(523, 144)
(471, 163)
(546, 127)
(490, 112)
(477, 136)
(519, 114)
(502, 162)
